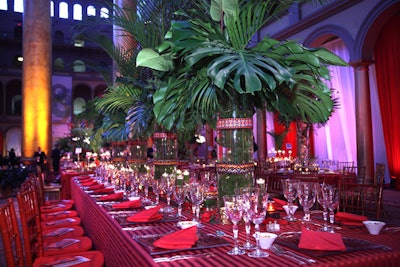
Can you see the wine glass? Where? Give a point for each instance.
(322, 198)
(333, 202)
(306, 195)
(233, 209)
(168, 185)
(241, 194)
(156, 187)
(257, 202)
(145, 182)
(196, 193)
(180, 195)
(289, 189)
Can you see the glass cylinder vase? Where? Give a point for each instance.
(235, 164)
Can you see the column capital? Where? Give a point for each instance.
(361, 64)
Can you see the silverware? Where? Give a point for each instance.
(221, 233)
(290, 254)
(183, 257)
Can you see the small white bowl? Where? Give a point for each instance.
(286, 208)
(186, 224)
(374, 227)
(267, 239)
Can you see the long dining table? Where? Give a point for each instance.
(121, 247)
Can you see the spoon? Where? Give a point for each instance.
(221, 233)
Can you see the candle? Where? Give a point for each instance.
(271, 206)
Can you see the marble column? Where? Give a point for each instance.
(365, 148)
(261, 134)
(36, 77)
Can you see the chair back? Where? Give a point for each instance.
(11, 237)
(342, 164)
(31, 227)
(353, 174)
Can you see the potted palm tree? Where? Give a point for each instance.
(214, 71)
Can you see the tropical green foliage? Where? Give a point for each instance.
(212, 63)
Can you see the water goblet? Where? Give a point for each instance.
(156, 187)
(196, 193)
(257, 202)
(333, 202)
(234, 211)
(289, 189)
(306, 195)
(241, 194)
(180, 195)
(322, 198)
(168, 185)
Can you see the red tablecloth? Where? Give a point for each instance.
(65, 179)
(121, 250)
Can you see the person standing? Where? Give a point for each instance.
(56, 156)
(12, 158)
(40, 157)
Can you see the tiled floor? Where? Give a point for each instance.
(391, 199)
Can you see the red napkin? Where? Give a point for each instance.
(346, 218)
(111, 197)
(181, 239)
(127, 205)
(316, 240)
(96, 187)
(107, 190)
(89, 183)
(149, 215)
(279, 203)
(83, 177)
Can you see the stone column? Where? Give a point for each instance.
(36, 77)
(261, 134)
(365, 148)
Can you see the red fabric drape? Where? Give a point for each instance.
(387, 62)
(290, 137)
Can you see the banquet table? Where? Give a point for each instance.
(121, 249)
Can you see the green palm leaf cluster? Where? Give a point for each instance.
(213, 63)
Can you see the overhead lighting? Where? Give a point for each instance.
(20, 59)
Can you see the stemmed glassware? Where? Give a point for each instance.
(156, 187)
(333, 202)
(306, 195)
(196, 193)
(257, 202)
(322, 197)
(241, 194)
(168, 185)
(180, 195)
(145, 181)
(289, 189)
(233, 209)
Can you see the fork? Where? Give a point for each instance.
(289, 254)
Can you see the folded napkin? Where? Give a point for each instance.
(316, 240)
(96, 187)
(279, 203)
(84, 177)
(351, 219)
(107, 190)
(111, 197)
(89, 183)
(149, 215)
(181, 239)
(127, 205)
